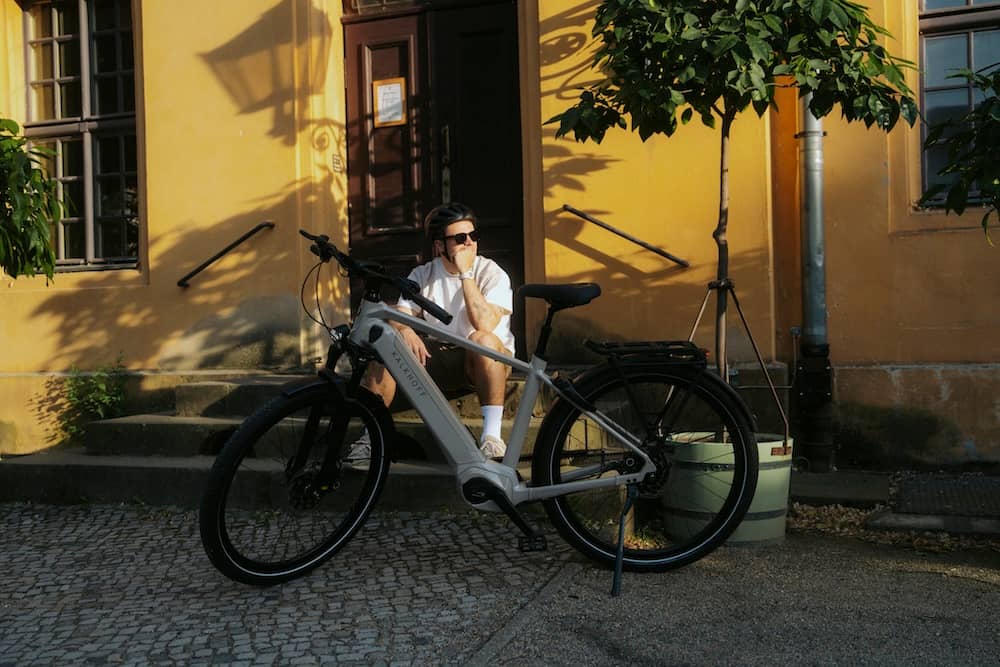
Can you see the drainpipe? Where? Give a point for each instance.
(813, 389)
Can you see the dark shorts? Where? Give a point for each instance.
(446, 367)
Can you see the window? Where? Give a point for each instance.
(954, 34)
(81, 106)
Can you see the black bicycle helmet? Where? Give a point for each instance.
(445, 214)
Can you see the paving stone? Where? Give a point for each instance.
(117, 584)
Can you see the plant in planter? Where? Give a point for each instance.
(29, 204)
(664, 63)
(971, 143)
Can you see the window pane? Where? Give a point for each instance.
(130, 159)
(108, 156)
(109, 194)
(131, 198)
(44, 156)
(67, 19)
(128, 92)
(107, 95)
(941, 105)
(104, 14)
(41, 56)
(132, 237)
(41, 22)
(75, 241)
(110, 239)
(105, 53)
(43, 102)
(930, 5)
(74, 199)
(985, 48)
(69, 58)
(72, 158)
(128, 61)
(942, 56)
(71, 100)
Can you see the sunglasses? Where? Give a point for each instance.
(461, 236)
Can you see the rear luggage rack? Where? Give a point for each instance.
(664, 351)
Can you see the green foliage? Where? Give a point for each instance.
(93, 396)
(665, 62)
(29, 203)
(973, 143)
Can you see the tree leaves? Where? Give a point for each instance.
(972, 143)
(29, 203)
(724, 56)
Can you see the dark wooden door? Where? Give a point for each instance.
(474, 97)
(461, 141)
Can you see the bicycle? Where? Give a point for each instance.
(620, 443)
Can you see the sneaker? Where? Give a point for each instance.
(360, 451)
(493, 447)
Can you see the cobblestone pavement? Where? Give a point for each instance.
(121, 584)
(130, 585)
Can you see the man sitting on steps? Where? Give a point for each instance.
(477, 293)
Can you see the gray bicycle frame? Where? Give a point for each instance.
(371, 329)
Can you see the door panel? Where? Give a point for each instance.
(385, 173)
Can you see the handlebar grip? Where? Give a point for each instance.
(431, 307)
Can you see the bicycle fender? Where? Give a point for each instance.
(583, 383)
(296, 387)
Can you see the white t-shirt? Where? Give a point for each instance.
(445, 289)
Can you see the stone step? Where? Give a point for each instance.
(171, 435)
(70, 476)
(240, 396)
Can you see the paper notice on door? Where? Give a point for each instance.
(389, 97)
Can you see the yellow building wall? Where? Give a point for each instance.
(904, 286)
(664, 191)
(910, 292)
(240, 120)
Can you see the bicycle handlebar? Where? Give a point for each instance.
(322, 248)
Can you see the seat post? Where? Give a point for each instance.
(543, 336)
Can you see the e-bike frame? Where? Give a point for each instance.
(372, 330)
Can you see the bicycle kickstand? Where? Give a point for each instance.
(616, 583)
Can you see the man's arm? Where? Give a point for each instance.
(483, 315)
(411, 338)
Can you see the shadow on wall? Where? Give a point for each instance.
(267, 66)
(563, 37)
(637, 296)
(242, 311)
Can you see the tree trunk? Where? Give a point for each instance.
(722, 274)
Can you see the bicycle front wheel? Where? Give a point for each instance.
(271, 512)
(694, 430)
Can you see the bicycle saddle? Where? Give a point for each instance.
(561, 296)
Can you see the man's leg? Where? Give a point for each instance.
(490, 379)
(378, 381)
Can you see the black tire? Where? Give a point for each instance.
(261, 525)
(701, 490)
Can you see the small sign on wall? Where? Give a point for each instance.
(389, 101)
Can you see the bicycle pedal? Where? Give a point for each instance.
(532, 543)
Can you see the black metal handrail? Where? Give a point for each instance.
(624, 235)
(183, 282)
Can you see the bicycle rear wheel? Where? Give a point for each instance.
(267, 516)
(692, 427)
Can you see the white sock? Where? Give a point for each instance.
(492, 421)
